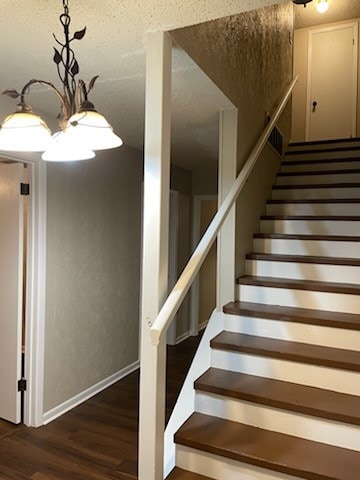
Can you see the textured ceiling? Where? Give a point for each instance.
(338, 10)
(114, 48)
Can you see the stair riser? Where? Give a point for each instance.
(343, 381)
(332, 302)
(311, 227)
(295, 332)
(278, 420)
(313, 209)
(314, 179)
(323, 155)
(324, 146)
(320, 167)
(307, 247)
(221, 468)
(315, 193)
(304, 271)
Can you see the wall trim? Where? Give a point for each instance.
(181, 338)
(88, 393)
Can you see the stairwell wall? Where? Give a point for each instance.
(249, 57)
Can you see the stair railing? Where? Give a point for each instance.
(160, 325)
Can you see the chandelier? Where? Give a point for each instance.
(82, 130)
(301, 2)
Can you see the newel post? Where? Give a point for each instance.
(155, 252)
(225, 290)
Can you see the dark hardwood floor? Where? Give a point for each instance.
(95, 441)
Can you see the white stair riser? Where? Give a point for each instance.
(311, 227)
(304, 271)
(313, 209)
(323, 155)
(320, 167)
(332, 302)
(324, 146)
(277, 420)
(318, 179)
(221, 468)
(315, 193)
(323, 248)
(294, 332)
(343, 381)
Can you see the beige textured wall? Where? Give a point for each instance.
(301, 68)
(93, 255)
(249, 57)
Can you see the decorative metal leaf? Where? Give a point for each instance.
(92, 82)
(80, 34)
(57, 56)
(11, 93)
(75, 68)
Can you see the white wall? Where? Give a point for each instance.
(93, 265)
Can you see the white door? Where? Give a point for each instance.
(332, 83)
(11, 289)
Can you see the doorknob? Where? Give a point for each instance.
(314, 104)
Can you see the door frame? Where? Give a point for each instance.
(194, 291)
(339, 26)
(35, 290)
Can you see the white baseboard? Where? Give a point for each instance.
(88, 393)
(182, 337)
(203, 325)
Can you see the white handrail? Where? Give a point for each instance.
(173, 302)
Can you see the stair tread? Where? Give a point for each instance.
(317, 172)
(304, 259)
(179, 474)
(324, 142)
(294, 314)
(312, 218)
(284, 395)
(331, 238)
(334, 149)
(331, 287)
(287, 350)
(263, 448)
(315, 200)
(317, 185)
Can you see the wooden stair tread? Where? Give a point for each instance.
(271, 450)
(284, 236)
(304, 259)
(287, 350)
(179, 474)
(317, 185)
(292, 314)
(315, 201)
(324, 142)
(331, 287)
(317, 172)
(314, 218)
(283, 395)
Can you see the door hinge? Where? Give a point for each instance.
(24, 189)
(22, 385)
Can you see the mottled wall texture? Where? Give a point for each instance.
(301, 45)
(249, 57)
(93, 265)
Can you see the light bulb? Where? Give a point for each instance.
(322, 6)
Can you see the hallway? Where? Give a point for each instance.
(95, 441)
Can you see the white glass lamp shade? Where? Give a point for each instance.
(62, 148)
(92, 129)
(322, 6)
(24, 131)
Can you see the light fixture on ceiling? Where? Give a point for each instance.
(301, 2)
(322, 6)
(82, 128)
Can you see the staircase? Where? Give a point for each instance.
(282, 397)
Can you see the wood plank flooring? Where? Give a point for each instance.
(95, 441)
